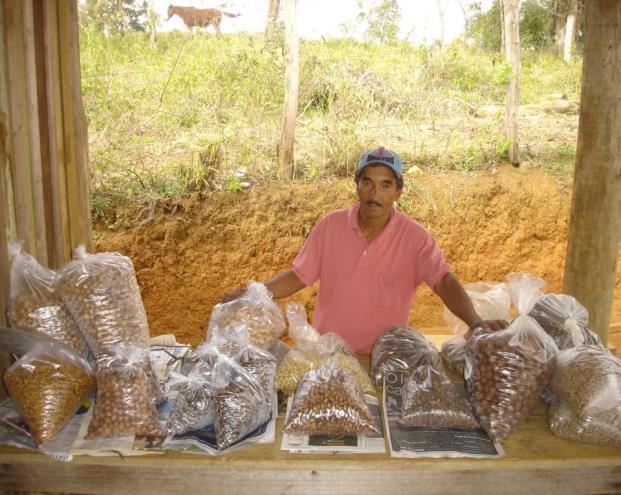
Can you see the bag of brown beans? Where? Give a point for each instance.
(243, 394)
(586, 384)
(48, 383)
(311, 349)
(34, 304)
(194, 405)
(491, 300)
(329, 401)
(401, 348)
(102, 293)
(565, 320)
(256, 310)
(506, 371)
(125, 403)
(430, 400)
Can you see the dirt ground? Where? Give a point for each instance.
(188, 253)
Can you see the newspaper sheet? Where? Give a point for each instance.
(429, 442)
(322, 444)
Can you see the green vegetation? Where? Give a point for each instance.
(201, 112)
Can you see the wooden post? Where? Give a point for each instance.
(570, 34)
(292, 73)
(512, 56)
(272, 16)
(595, 222)
(560, 20)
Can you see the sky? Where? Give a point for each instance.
(420, 22)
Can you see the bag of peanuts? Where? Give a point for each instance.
(34, 304)
(125, 403)
(102, 293)
(48, 383)
(310, 350)
(491, 300)
(401, 348)
(430, 400)
(586, 384)
(329, 401)
(565, 320)
(194, 405)
(454, 354)
(506, 371)
(256, 310)
(243, 394)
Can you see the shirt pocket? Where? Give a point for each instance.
(389, 292)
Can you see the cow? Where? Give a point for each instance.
(194, 17)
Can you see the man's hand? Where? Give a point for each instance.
(487, 326)
(234, 294)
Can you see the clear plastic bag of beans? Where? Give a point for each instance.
(227, 341)
(431, 400)
(311, 349)
(506, 371)
(565, 320)
(256, 310)
(401, 348)
(603, 428)
(125, 403)
(194, 405)
(48, 383)
(329, 401)
(491, 301)
(102, 293)
(242, 396)
(454, 354)
(34, 304)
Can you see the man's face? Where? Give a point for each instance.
(377, 191)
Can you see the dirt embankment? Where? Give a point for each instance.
(187, 254)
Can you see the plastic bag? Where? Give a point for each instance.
(228, 341)
(491, 301)
(194, 406)
(603, 428)
(310, 350)
(34, 304)
(329, 401)
(243, 395)
(125, 403)
(565, 320)
(454, 354)
(102, 293)
(401, 348)
(430, 399)
(48, 383)
(506, 371)
(256, 310)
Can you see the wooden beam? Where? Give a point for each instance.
(292, 74)
(511, 29)
(595, 221)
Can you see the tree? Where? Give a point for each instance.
(272, 16)
(114, 16)
(511, 17)
(382, 20)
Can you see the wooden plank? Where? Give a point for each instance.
(536, 462)
(595, 220)
(512, 56)
(58, 186)
(292, 74)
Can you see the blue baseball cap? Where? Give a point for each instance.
(380, 156)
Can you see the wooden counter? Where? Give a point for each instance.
(536, 462)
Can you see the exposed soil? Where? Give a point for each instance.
(187, 254)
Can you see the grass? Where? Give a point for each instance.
(200, 112)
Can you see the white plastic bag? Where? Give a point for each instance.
(194, 405)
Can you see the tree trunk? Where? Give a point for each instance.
(441, 16)
(272, 16)
(595, 222)
(292, 73)
(512, 55)
(570, 34)
(560, 19)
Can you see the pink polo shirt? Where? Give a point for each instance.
(366, 287)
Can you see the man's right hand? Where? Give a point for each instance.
(233, 295)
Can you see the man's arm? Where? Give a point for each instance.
(282, 285)
(456, 299)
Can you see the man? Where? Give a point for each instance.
(369, 260)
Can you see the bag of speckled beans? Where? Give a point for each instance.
(194, 403)
(34, 304)
(311, 349)
(125, 402)
(47, 384)
(586, 384)
(256, 310)
(506, 371)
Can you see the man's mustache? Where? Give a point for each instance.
(371, 202)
